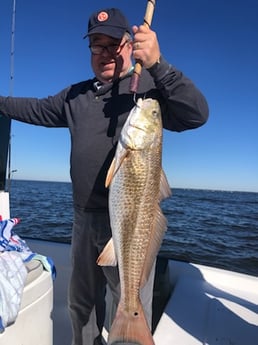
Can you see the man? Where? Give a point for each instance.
(95, 111)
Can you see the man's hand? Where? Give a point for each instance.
(145, 46)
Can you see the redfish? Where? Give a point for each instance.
(137, 184)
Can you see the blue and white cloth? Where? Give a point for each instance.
(9, 241)
(13, 275)
(14, 253)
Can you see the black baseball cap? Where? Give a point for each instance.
(110, 22)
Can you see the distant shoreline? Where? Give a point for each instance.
(183, 188)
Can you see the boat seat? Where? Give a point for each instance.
(34, 269)
(33, 324)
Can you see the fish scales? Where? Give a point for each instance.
(136, 185)
(133, 188)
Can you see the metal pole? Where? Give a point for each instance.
(12, 48)
(11, 88)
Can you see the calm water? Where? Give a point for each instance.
(217, 228)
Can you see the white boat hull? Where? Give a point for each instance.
(209, 306)
(4, 205)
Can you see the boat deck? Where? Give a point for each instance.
(207, 305)
(60, 253)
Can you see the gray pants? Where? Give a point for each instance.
(91, 231)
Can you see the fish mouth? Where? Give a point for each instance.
(137, 127)
(136, 123)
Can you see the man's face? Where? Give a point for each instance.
(110, 57)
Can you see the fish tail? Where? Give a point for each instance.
(130, 328)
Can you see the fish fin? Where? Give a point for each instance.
(130, 327)
(165, 190)
(115, 165)
(157, 233)
(110, 173)
(108, 256)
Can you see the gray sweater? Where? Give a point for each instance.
(95, 117)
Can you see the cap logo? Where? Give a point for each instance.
(102, 16)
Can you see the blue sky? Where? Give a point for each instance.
(213, 43)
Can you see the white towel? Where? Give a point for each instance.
(13, 274)
(14, 252)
